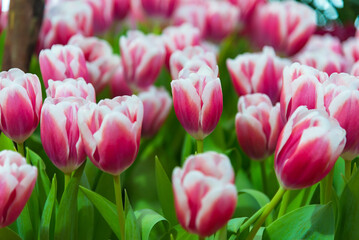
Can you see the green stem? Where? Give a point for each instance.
(199, 146)
(284, 204)
(269, 207)
(348, 169)
(67, 178)
(328, 187)
(305, 196)
(252, 219)
(322, 190)
(21, 148)
(222, 233)
(118, 195)
(264, 176)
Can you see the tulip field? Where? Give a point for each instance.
(179, 119)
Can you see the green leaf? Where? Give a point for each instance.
(44, 232)
(131, 228)
(8, 234)
(85, 213)
(235, 223)
(309, 222)
(260, 197)
(107, 209)
(66, 219)
(349, 210)
(165, 193)
(6, 143)
(177, 232)
(24, 224)
(147, 219)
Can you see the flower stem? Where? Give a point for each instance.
(284, 204)
(118, 195)
(322, 190)
(252, 219)
(21, 148)
(348, 169)
(67, 178)
(222, 233)
(268, 208)
(328, 187)
(264, 176)
(199, 146)
(305, 196)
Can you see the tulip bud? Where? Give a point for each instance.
(355, 69)
(302, 86)
(100, 61)
(62, 62)
(156, 107)
(222, 18)
(118, 84)
(60, 134)
(20, 103)
(247, 7)
(342, 102)
(286, 26)
(198, 102)
(17, 180)
(351, 49)
(159, 8)
(327, 42)
(111, 132)
(62, 21)
(179, 59)
(204, 192)
(71, 88)
(142, 58)
(102, 13)
(258, 124)
(307, 149)
(258, 73)
(121, 8)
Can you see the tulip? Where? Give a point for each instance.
(204, 192)
(102, 13)
(62, 62)
(100, 61)
(194, 66)
(222, 18)
(355, 69)
(351, 49)
(258, 124)
(327, 42)
(111, 132)
(17, 180)
(180, 37)
(342, 102)
(118, 84)
(286, 26)
(156, 107)
(247, 7)
(142, 58)
(302, 86)
(60, 134)
(258, 73)
(159, 8)
(71, 88)
(198, 102)
(121, 8)
(62, 21)
(179, 59)
(20, 103)
(307, 148)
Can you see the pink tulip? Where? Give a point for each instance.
(100, 61)
(198, 102)
(258, 73)
(342, 102)
(351, 49)
(194, 66)
(204, 192)
(355, 69)
(258, 124)
(180, 37)
(118, 84)
(286, 26)
(327, 42)
(102, 13)
(20, 103)
(60, 134)
(302, 86)
(222, 18)
(179, 59)
(111, 132)
(71, 88)
(142, 58)
(156, 107)
(247, 7)
(62, 21)
(62, 62)
(159, 8)
(307, 148)
(121, 8)
(17, 180)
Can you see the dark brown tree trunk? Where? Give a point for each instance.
(25, 18)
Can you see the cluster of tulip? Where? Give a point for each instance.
(295, 108)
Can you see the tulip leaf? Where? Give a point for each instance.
(235, 223)
(49, 209)
(165, 193)
(309, 222)
(107, 209)
(131, 228)
(177, 232)
(147, 219)
(24, 224)
(349, 210)
(85, 213)
(8, 234)
(66, 219)
(6, 143)
(260, 197)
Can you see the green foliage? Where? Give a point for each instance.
(47, 213)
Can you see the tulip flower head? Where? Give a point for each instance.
(204, 192)
(159, 8)
(307, 148)
(17, 180)
(103, 13)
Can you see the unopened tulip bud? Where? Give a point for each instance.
(121, 8)
(351, 49)
(204, 192)
(159, 8)
(118, 84)
(102, 13)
